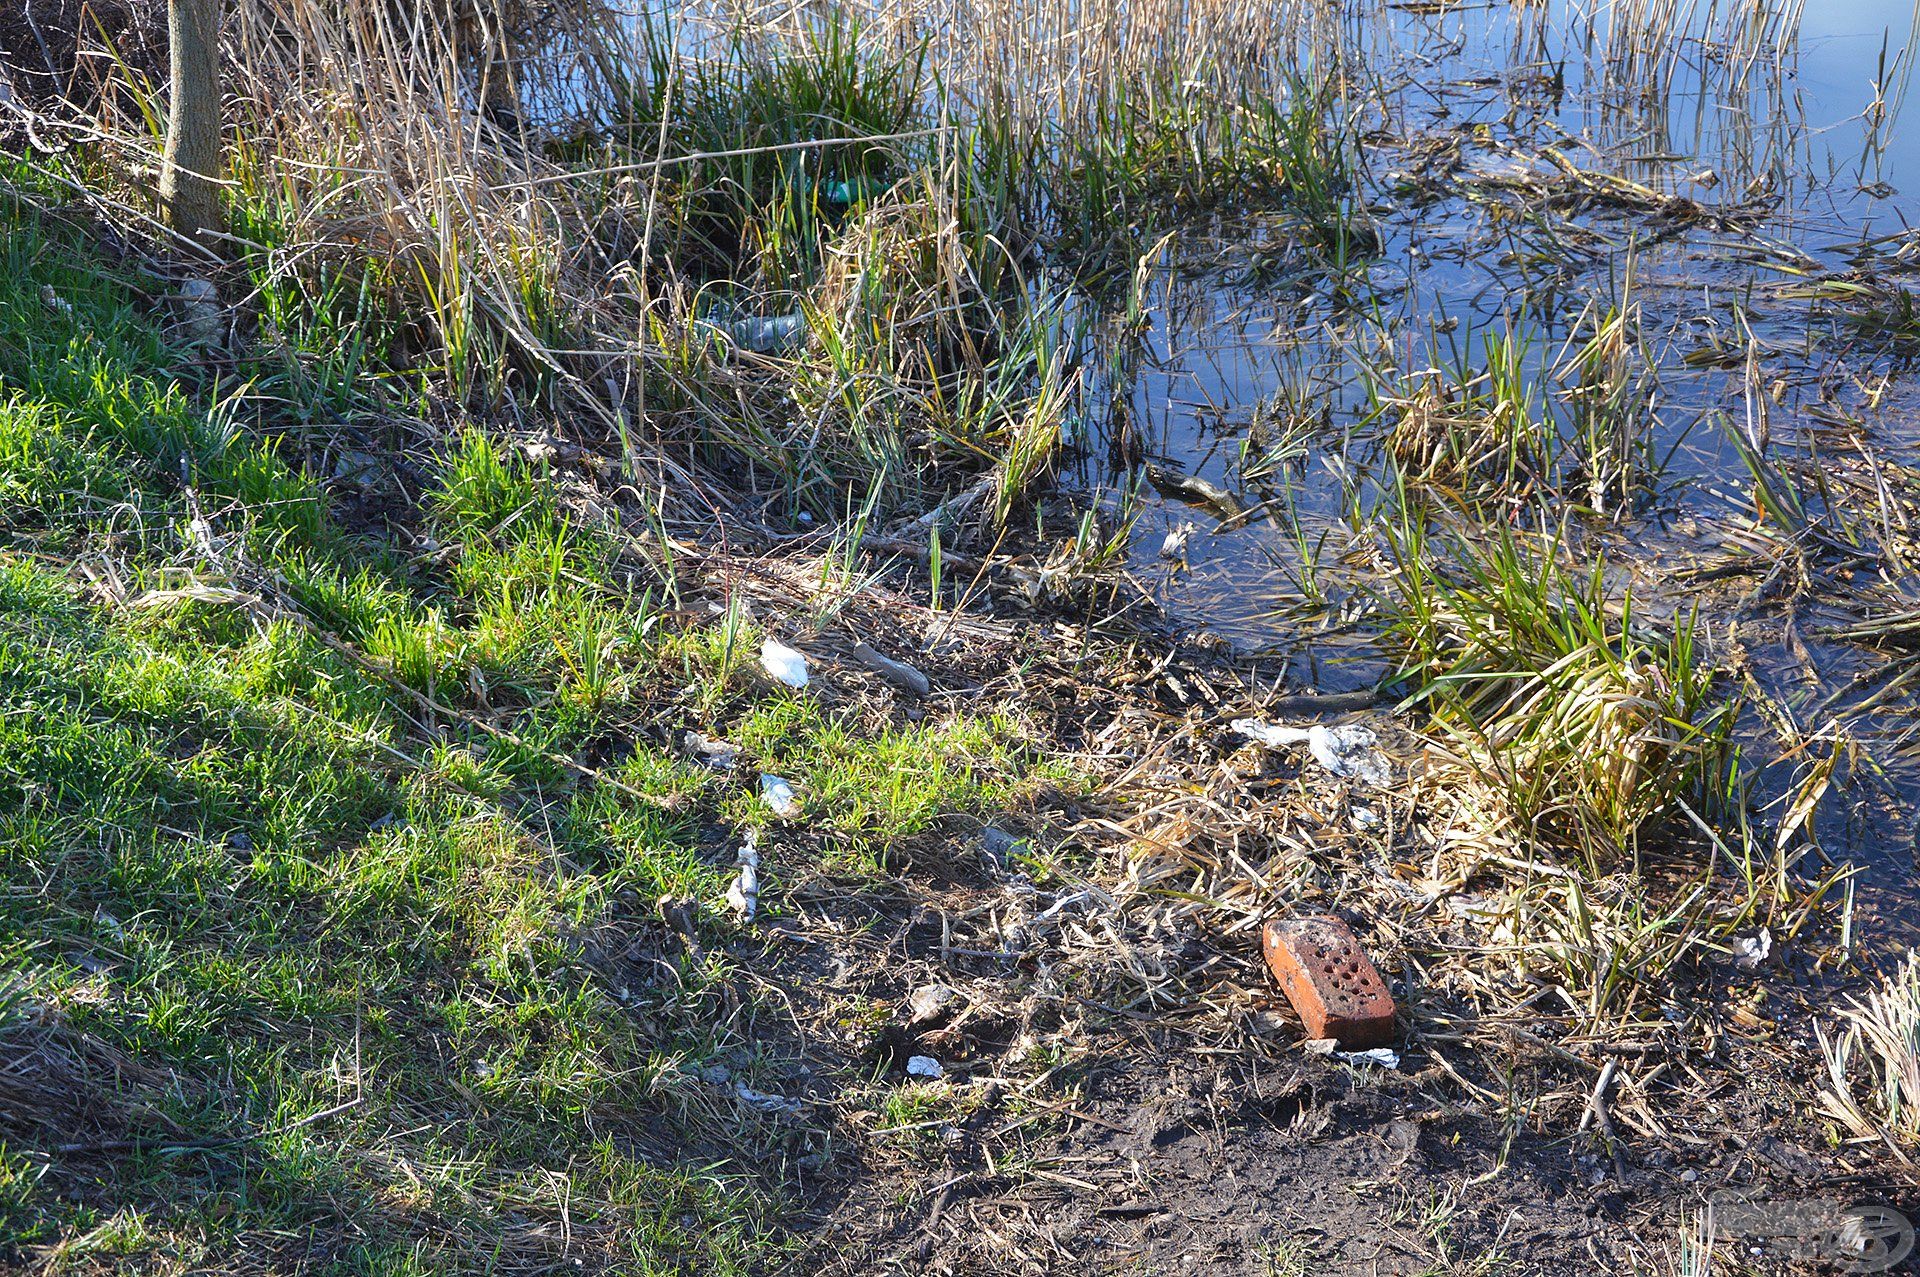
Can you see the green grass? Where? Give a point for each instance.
(1169, 150)
(1591, 723)
(874, 793)
(248, 877)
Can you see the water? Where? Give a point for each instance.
(1250, 372)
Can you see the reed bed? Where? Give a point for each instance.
(554, 210)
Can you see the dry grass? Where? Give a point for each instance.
(1873, 1060)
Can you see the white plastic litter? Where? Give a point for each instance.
(779, 795)
(1385, 1057)
(783, 663)
(743, 895)
(1175, 544)
(717, 754)
(1349, 750)
(765, 1101)
(1750, 951)
(924, 1066)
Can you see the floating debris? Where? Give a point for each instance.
(1195, 491)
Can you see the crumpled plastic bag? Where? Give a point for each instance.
(1350, 750)
(784, 663)
(743, 894)
(778, 794)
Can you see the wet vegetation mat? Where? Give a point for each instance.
(705, 638)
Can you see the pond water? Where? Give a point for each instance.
(1763, 160)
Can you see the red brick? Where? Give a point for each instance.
(1330, 981)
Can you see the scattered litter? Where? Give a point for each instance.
(1268, 1021)
(924, 1066)
(784, 663)
(899, 673)
(854, 191)
(1385, 1057)
(779, 795)
(1365, 818)
(1175, 545)
(1750, 951)
(1506, 169)
(1350, 750)
(55, 302)
(1195, 491)
(677, 912)
(931, 1001)
(744, 893)
(765, 1101)
(1320, 1046)
(718, 754)
(362, 469)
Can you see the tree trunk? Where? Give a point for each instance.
(189, 189)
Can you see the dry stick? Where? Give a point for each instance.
(1597, 1111)
(901, 675)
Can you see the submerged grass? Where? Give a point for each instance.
(1512, 418)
